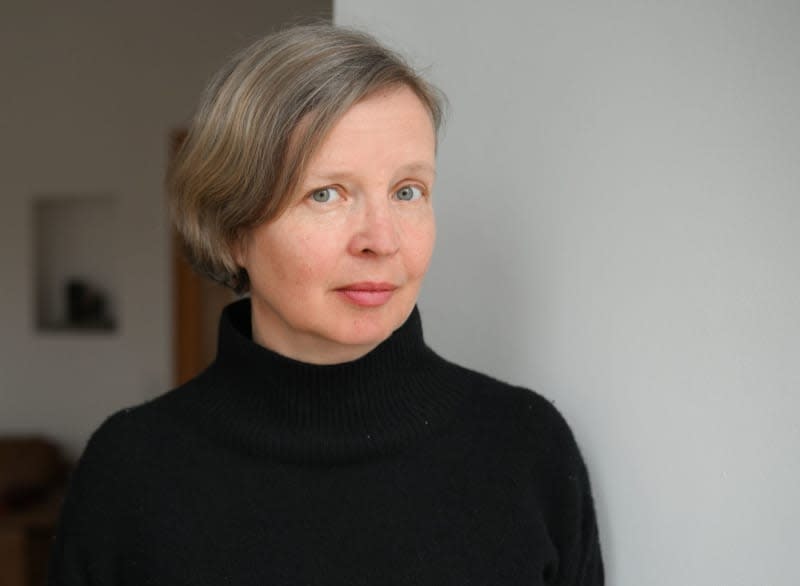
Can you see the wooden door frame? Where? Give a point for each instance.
(187, 305)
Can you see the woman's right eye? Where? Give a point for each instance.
(325, 195)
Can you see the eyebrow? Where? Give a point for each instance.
(415, 167)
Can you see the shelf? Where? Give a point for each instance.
(74, 238)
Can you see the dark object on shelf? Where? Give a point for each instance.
(86, 307)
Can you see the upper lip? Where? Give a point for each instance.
(368, 286)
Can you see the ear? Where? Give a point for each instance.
(238, 248)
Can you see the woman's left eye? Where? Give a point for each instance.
(408, 193)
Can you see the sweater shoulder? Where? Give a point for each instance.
(132, 432)
(110, 441)
(521, 418)
(513, 402)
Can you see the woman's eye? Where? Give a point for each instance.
(408, 193)
(325, 195)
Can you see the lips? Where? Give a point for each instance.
(368, 293)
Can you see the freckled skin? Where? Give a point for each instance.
(365, 232)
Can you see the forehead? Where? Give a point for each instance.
(389, 126)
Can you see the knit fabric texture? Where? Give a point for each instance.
(399, 468)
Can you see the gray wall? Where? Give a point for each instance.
(619, 224)
(90, 91)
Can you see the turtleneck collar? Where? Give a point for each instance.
(266, 403)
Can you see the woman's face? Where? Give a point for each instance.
(341, 268)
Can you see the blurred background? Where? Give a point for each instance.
(618, 201)
(96, 311)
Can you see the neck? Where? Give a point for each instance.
(265, 402)
(321, 342)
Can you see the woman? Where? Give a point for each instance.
(327, 444)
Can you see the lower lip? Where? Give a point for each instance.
(366, 298)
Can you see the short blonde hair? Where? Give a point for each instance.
(246, 149)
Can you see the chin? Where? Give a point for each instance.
(370, 327)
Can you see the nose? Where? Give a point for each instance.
(377, 231)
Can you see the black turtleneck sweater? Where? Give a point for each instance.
(398, 468)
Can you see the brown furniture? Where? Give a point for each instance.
(32, 477)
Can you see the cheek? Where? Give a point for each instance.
(294, 265)
(420, 240)
(299, 258)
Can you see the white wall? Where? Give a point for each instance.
(619, 225)
(90, 91)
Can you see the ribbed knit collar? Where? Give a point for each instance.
(267, 403)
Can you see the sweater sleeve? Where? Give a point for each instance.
(84, 546)
(568, 506)
(585, 566)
